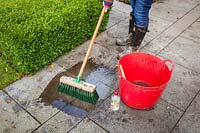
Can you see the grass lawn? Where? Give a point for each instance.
(7, 74)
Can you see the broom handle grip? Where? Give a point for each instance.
(92, 42)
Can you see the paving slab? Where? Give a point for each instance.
(189, 18)
(156, 27)
(182, 87)
(168, 11)
(115, 16)
(60, 123)
(193, 31)
(189, 123)
(180, 3)
(87, 126)
(163, 40)
(175, 30)
(13, 118)
(184, 52)
(27, 91)
(128, 120)
(70, 59)
(125, 8)
(44, 76)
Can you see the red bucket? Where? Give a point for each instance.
(145, 78)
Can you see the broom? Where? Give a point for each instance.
(76, 87)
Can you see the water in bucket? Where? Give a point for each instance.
(141, 83)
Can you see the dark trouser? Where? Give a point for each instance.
(139, 21)
(140, 11)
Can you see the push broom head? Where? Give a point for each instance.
(79, 89)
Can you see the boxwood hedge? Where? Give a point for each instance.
(35, 32)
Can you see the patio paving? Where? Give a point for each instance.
(174, 34)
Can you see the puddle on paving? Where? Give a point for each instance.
(94, 74)
(70, 109)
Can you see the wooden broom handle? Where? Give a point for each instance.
(92, 42)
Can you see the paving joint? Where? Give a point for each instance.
(98, 125)
(175, 37)
(185, 110)
(21, 107)
(170, 27)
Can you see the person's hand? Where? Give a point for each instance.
(107, 3)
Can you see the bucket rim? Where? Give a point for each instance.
(149, 87)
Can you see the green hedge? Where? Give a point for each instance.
(35, 32)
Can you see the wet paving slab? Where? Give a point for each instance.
(13, 118)
(161, 119)
(103, 78)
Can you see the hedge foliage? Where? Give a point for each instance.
(35, 32)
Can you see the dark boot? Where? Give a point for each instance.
(136, 41)
(125, 42)
(138, 36)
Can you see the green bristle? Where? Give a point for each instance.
(78, 93)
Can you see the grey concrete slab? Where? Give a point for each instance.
(44, 76)
(181, 3)
(26, 92)
(77, 55)
(189, 18)
(128, 120)
(87, 126)
(156, 27)
(189, 123)
(184, 52)
(182, 87)
(168, 11)
(13, 118)
(60, 123)
(115, 16)
(125, 8)
(161, 41)
(193, 31)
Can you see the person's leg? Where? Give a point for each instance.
(137, 31)
(141, 14)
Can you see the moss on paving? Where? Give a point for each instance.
(7, 74)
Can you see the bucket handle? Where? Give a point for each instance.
(172, 64)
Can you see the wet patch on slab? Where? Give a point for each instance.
(103, 77)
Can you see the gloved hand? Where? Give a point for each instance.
(107, 3)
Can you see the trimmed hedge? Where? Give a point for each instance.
(35, 32)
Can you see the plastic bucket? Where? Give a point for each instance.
(146, 77)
